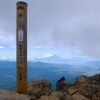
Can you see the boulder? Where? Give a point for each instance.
(78, 97)
(89, 86)
(95, 79)
(39, 88)
(59, 95)
(82, 79)
(49, 98)
(90, 91)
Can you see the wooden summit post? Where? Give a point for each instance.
(21, 42)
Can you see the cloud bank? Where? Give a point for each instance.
(72, 24)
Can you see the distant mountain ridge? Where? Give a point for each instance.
(59, 60)
(52, 59)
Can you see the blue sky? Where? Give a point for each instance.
(67, 28)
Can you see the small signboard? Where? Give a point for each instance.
(20, 35)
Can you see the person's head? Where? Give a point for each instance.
(61, 79)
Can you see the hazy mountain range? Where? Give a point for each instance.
(50, 68)
(83, 65)
(59, 60)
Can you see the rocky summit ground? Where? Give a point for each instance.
(85, 88)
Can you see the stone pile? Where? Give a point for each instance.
(85, 88)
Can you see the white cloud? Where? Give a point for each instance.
(37, 47)
(48, 55)
(3, 58)
(1, 47)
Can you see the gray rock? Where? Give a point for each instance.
(39, 88)
(49, 98)
(82, 79)
(78, 97)
(59, 95)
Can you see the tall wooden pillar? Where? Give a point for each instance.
(21, 32)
